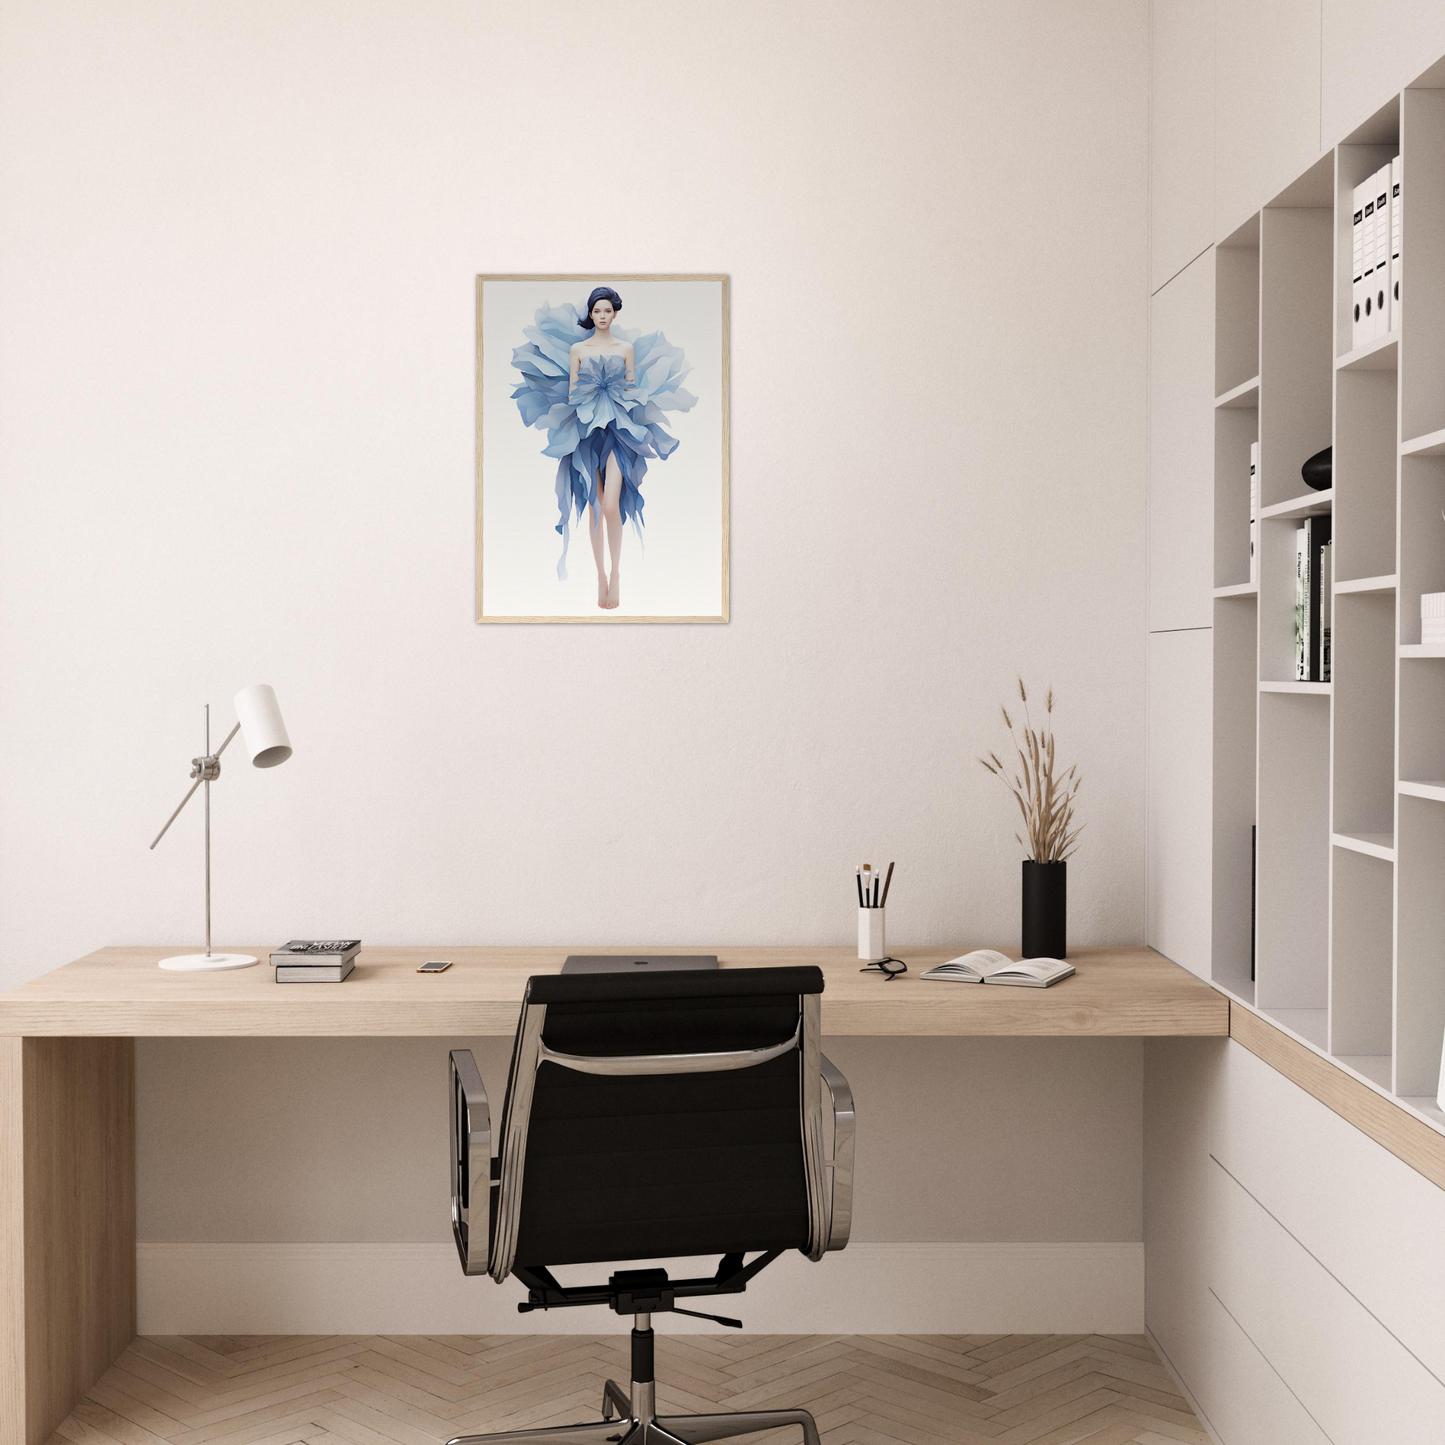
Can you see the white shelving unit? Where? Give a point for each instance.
(1343, 780)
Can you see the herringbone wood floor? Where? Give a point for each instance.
(420, 1389)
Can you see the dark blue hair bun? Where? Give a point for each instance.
(599, 293)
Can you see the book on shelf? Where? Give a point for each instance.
(1301, 606)
(1326, 607)
(1309, 609)
(314, 972)
(1317, 537)
(1254, 513)
(988, 965)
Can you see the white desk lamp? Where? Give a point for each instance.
(258, 720)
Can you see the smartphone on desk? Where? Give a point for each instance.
(435, 965)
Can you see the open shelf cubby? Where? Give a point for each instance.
(1236, 704)
(1293, 809)
(1329, 795)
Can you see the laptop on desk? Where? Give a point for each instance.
(637, 962)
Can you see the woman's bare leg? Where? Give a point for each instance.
(612, 510)
(594, 526)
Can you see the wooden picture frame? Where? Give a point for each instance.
(666, 447)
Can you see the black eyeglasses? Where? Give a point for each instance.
(890, 968)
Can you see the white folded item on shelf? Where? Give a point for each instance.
(1432, 617)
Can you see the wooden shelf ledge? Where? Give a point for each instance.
(1379, 355)
(1312, 504)
(1302, 689)
(1432, 444)
(1244, 397)
(1435, 792)
(1372, 845)
(1367, 584)
(1390, 1120)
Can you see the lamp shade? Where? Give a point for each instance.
(262, 730)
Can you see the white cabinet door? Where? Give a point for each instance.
(1266, 103)
(1178, 900)
(1181, 134)
(1181, 450)
(1366, 1216)
(1370, 52)
(1358, 1382)
(1245, 1400)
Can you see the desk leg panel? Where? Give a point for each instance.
(67, 1212)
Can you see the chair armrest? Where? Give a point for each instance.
(840, 1217)
(471, 1130)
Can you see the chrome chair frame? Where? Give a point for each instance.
(486, 1240)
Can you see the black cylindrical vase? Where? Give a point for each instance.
(1046, 909)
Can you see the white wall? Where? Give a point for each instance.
(303, 1189)
(1012, 1140)
(236, 367)
(237, 254)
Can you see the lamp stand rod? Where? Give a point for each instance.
(205, 769)
(206, 775)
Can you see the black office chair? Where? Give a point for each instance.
(650, 1117)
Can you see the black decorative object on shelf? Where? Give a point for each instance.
(1319, 471)
(1046, 909)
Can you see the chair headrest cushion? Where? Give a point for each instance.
(719, 983)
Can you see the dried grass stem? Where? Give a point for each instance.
(1045, 797)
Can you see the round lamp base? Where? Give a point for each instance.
(207, 962)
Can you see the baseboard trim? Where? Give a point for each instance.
(306, 1289)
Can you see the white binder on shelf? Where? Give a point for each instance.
(1254, 513)
(1396, 225)
(1382, 251)
(1367, 323)
(1357, 268)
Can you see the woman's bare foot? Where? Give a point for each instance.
(614, 592)
(602, 589)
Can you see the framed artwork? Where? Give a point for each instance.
(602, 448)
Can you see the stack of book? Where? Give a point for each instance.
(1375, 272)
(315, 960)
(1312, 601)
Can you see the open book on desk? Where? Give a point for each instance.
(987, 965)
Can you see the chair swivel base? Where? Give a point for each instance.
(635, 1424)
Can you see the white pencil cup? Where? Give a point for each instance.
(871, 946)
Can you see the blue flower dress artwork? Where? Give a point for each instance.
(604, 414)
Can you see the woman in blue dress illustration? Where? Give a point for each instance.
(600, 393)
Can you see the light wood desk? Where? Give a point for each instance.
(67, 1092)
